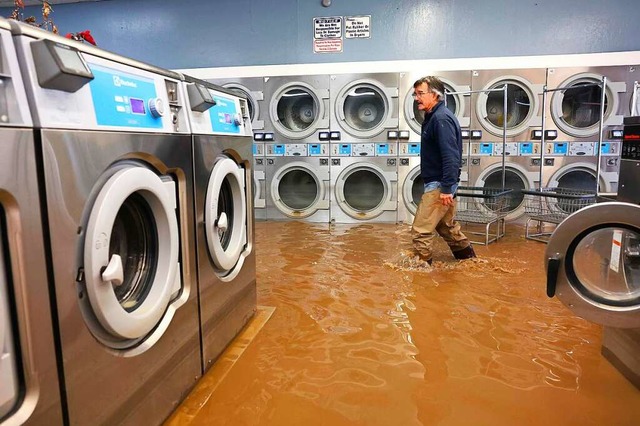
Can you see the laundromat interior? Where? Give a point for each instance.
(206, 213)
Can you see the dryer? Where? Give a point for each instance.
(410, 183)
(364, 107)
(524, 115)
(224, 222)
(114, 144)
(298, 185)
(30, 391)
(364, 182)
(573, 117)
(298, 108)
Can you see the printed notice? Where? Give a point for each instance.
(357, 26)
(327, 46)
(616, 245)
(329, 27)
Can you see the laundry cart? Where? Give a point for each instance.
(482, 211)
(548, 207)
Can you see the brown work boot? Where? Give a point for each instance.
(424, 258)
(465, 253)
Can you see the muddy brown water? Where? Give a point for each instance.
(364, 334)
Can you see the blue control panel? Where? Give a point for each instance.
(526, 148)
(121, 99)
(382, 149)
(223, 115)
(560, 148)
(606, 148)
(255, 149)
(486, 148)
(414, 148)
(315, 149)
(344, 149)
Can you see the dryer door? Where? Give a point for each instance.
(412, 190)
(364, 108)
(593, 264)
(299, 189)
(364, 191)
(8, 371)
(298, 110)
(131, 252)
(225, 217)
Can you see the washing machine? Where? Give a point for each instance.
(252, 89)
(298, 108)
(410, 183)
(29, 381)
(411, 118)
(364, 107)
(114, 144)
(259, 182)
(223, 161)
(524, 115)
(573, 116)
(364, 182)
(298, 182)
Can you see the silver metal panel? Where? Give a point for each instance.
(103, 387)
(19, 197)
(225, 306)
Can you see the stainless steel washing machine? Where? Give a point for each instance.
(298, 186)
(411, 118)
(524, 115)
(259, 182)
(223, 161)
(410, 183)
(573, 117)
(114, 138)
(29, 381)
(364, 107)
(252, 89)
(364, 182)
(298, 108)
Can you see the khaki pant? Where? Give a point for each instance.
(432, 216)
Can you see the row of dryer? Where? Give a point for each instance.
(320, 135)
(126, 232)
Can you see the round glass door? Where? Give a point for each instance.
(576, 110)
(412, 190)
(514, 180)
(297, 190)
(593, 264)
(225, 218)
(131, 253)
(522, 106)
(363, 191)
(252, 103)
(580, 177)
(363, 109)
(297, 110)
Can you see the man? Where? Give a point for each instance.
(440, 162)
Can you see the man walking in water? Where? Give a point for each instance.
(440, 162)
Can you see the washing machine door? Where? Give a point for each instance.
(364, 108)
(576, 110)
(298, 110)
(593, 264)
(363, 190)
(412, 190)
(523, 103)
(9, 388)
(299, 190)
(131, 252)
(225, 217)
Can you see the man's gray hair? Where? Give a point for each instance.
(435, 85)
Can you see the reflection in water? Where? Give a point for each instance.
(363, 334)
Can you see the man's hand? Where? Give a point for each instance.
(446, 199)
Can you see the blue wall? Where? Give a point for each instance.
(218, 33)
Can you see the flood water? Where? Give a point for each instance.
(362, 334)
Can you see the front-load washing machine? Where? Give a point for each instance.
(252, 89)
(364, 182)
(364, 107)
(222, 156)
(298, 108)
(114, 145)
(30, 391)
(259, 182)
(411, 118)
(298, 185)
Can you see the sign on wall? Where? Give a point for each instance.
(327, 34)
(357, 26)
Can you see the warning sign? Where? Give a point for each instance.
(357, 26)
(330, 27)
(332, 45)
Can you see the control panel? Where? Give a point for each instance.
(530, 149)
(409, 149)
(511, 149)
(318, 149)
(286, 150)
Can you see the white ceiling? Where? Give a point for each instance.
(9, 3)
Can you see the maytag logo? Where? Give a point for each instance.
(118, 82)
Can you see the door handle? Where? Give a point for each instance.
(553, 267)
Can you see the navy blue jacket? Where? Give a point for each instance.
(441, 148)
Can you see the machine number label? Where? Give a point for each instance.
(357, 26)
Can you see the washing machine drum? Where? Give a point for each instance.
(581, 105)
(518, 105)
(131, 255)
(513, 181)
(364, 107)
(297, 109)
(364, 190)
(298, 189)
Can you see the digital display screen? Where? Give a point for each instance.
(71, 60)
(137, 106)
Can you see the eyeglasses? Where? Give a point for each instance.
(417, 94)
